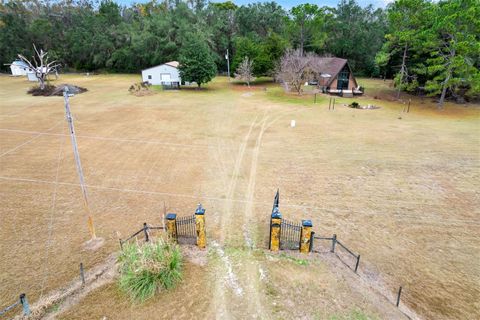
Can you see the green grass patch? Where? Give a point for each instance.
(278, 94)
(148, 268)
(300, 262)
(354, 315)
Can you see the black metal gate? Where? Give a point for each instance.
(290, 233)
(186, 229)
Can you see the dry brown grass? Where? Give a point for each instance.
(402, 192)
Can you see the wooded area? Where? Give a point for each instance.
(428, 47)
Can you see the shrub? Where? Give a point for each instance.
(140, 88)
(355, 105)
(148, 268)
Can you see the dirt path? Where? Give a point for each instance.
(227, 277)
(240, 285)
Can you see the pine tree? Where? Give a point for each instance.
(454, 43)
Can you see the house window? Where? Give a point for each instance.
(343, 77)
(149, 77)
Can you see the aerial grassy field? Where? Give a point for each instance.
(401, 189)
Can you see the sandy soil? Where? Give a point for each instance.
(402, 192)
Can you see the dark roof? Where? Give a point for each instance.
(331, 66)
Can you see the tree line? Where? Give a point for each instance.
(90, 35)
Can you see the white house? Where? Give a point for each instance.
(19, 68)
(164, 74)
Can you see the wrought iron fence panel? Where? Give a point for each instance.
(186, 227)
(290, 235)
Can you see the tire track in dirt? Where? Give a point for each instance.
(226, 217)
(246, 282)
(249, 271)
(252, 268)
(249, 200)
(221, 311)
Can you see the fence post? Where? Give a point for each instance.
(275, 229)
(82, 274)
(334, 242)
(200, 226)
(310, 249)
(305, 236)
(145, 231)
(333, 106)
(329, 103)
(356, 265)
(398, 295)
(24, 302)
(172, 226)
(121, 244)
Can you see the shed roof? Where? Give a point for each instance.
(19, 63)
(173, 64)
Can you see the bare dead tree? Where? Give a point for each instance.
(40, 65)
(245, 71)
(294, 69)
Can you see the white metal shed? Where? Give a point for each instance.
(164, 74)
(19, 68)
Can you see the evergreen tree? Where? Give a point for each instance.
(196, 61)
(453, 38)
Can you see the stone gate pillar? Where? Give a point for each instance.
(306, 236)
(275, 230)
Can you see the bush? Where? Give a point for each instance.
(140, 89)
(355, 105)
(148, 268)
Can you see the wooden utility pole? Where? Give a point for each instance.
(78, 164)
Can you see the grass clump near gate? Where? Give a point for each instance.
(354, 315)
(148, 268)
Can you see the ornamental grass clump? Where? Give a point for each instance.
(148, 268)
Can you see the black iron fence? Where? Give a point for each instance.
(186, 229)
(290, 233)
(186, 232)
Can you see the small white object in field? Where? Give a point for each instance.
(292, 123)
(306, 84)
